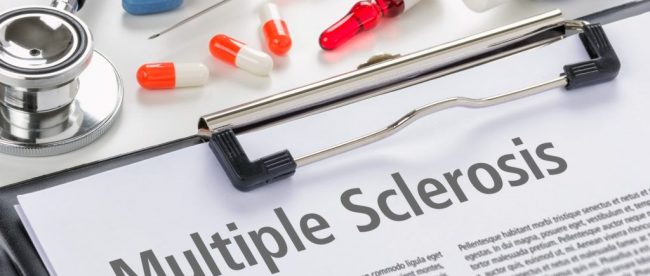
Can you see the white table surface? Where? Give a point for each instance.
(150, 118)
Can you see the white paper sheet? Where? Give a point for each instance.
(149, 210)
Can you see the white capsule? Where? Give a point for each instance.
(254, 61)
(191, 74)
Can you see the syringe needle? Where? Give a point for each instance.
(192, 17)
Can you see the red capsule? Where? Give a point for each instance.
(275, 30)
(365, 15)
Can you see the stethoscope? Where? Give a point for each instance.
(57, 94)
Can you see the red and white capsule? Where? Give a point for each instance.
(275, 30)
(169, 75)
(237, 53)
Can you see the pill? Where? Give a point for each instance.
(168, 75)
(240, 55)
(275, 29)
(142, 7)
(364, 15)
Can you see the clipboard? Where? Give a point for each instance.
(17, 253)
(18, 256)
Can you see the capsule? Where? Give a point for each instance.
(363, 16)
(239, 54)
(168, 75)
(275, 30)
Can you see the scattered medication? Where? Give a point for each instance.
(275, 30)
(240, 55)
(169, 75)
(364, 16)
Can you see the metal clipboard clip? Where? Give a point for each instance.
(389, 73)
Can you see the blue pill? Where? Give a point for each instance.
(139, 7)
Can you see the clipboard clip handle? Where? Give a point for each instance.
(247, 175)
(604, 64)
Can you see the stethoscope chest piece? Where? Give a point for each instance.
(56, 93)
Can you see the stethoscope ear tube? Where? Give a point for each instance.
(68, 5)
